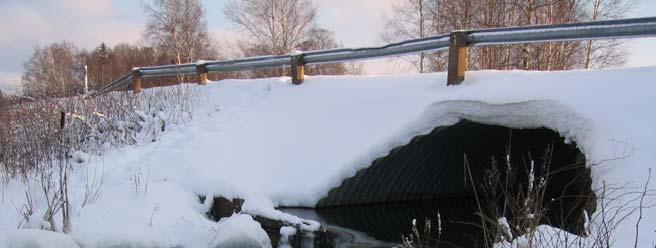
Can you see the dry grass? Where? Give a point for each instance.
(519, 215)
(43, 141)
(32, 136)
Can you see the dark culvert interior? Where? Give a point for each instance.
(428, 175)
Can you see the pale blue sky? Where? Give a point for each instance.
(643, 51)
(25, 24)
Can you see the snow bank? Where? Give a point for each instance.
(263, 207)
(22, 238)
(545, 236)
(240, 230)
(275, 144)
(286, 232)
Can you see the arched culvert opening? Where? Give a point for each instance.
(428, 174)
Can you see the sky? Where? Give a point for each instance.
(26, 24)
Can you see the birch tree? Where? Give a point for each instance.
(178, 30)
(276, 27)
(408, 20)
(323, 39)
(605, 53)
(53, 71)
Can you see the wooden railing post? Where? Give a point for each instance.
(136, 80)
(457, 57)
(297, 70)
(201, 69)
(62, 119)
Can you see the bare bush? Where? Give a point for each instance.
(140, 180)
(618, 203)
(418, 239)
(529, 210)
(517, 213)
(93, 182)
(32, 135)
(44, 141)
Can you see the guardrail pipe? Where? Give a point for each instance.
(457, 57)
(136, 80)
(297, 70)
(201, 69)
(456, 41)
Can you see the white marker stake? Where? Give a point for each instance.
(86, 81)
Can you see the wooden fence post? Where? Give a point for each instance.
(297, 69)
(457, 57)
(201, 69)
(62, 119)
(136, 80)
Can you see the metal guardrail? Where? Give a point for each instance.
(116, 84)
(623, 28)
(395, 49)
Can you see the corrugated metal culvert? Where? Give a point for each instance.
(430, 171)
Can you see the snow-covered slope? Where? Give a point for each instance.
(270, 140)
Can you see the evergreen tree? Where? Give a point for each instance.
(103, 51)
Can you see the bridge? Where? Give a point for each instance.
(461, 152)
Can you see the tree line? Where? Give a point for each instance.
(422, 18)
(176, 32)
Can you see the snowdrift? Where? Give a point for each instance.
(289, 145)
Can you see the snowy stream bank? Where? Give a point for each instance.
(275, 144)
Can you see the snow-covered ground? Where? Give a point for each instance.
(274, 143)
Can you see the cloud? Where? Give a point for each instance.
(90, 7)
(38, 20)
(30, 23)
(355, 22)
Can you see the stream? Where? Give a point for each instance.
(383, 225)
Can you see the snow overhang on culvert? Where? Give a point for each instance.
(431, 165)
(446, 131)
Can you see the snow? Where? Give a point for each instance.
(80, 156)
(34, 222)
(505, 228)
(285, 233)
(240, 230)
(23, 238)
(546, 236)
(296, 52)
(262, 206)
(276, 144)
